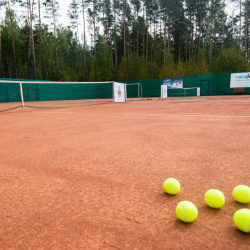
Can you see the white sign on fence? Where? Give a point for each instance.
(119, 92)
(240, 80)
(164, 91)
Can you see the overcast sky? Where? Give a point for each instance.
(64, 20)
(64, 6)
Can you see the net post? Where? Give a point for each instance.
(198, 91)
(21, 93)
(126, 95)
(113, 91)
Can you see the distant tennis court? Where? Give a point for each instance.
(92, 177)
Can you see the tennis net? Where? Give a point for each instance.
(183, 92)
(44, 94)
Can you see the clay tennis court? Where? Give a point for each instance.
(92, 177)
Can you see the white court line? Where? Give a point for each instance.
(224, 116)
(55, 112)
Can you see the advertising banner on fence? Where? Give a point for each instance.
(174, 82)
(240, 80)
(119, 92)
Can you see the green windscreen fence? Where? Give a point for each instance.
(10, 97)
(211, 84)
(10, 92)
(51, 92)
(150, 88)
(134, 90)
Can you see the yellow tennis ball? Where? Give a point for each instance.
(241, 194)
(172, 186)
(186, 211)
(214, 198)
(242, 220)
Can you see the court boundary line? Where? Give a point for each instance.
(196, 115)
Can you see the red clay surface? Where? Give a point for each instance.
(92, 177)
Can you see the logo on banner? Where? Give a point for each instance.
(119, 92)
(243, 77)
(174, 82)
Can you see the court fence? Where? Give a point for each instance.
(210, 85)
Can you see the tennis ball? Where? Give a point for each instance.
(214, 198)
(171, 186)
(242, 220)
(186, 211)
(241, 194)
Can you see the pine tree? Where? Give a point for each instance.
(52, 7)
(13, 40)
(41, 40)
(73, 17)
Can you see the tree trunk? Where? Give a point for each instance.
(179, 56)
(199, 40)
(124, 29)
(192, 41)
(103, 21)
(137, 27)
(116, 60)
(240, 29)
(223, 27)
(147, 39)
(80, 50)
(13, 42)
(94, 39)
(155, 41)
(195, 42)
(160, 45)
(211, 34)
(28, 63)
(134, 40)
(84, 43)
(57, 65)
(246, 34)
(169, 39)
(151, 43)
(143, 43)
(32, 42)
(165, 38)
(111, 52)
(187, 45)
(41, 40)
(1, 67)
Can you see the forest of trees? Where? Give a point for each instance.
(123, 39)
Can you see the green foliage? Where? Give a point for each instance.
(168, 69)
(181, 68)
(132, 68)
(192, 68)
(103, 63)
(153, 70)
(228, 61)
